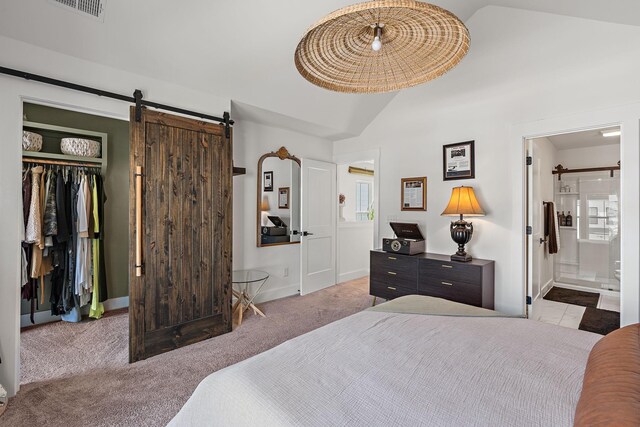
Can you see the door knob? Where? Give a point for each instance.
(542, 240)
(306, 233)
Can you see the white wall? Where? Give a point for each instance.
(589, 157)
(13, 90)
(355, 241)
(252, 140)
(527, 74)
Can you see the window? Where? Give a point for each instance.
(363, 200)
(602, 218)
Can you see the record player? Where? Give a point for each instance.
(409, 240)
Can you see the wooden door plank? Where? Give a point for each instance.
(136, 296)
(150, 204)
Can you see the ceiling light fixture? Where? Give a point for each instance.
(377, 33)
(421, 43)
(611, 132)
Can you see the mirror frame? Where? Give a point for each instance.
(282, 154)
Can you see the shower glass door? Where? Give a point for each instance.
(589, 253)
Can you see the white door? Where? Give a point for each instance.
(535, 219)
(318, 225)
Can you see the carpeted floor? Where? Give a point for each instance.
(570, 296)
(89, 382)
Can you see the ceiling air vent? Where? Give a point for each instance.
(91, 8)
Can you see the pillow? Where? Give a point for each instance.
(611, 386)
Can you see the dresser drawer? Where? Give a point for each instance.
(449, 271)
(452, 290)
(399, 270)
(388, 290)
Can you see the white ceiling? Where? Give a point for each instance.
(241, 49)
(588, 138)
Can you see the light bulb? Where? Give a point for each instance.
(377, 44)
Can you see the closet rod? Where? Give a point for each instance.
(136, 98)
(559, 170)
(60, 162)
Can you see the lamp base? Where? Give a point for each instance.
(461, 258)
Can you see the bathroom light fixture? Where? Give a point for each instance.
(413, 42)
(611, 132)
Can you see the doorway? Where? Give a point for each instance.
(357, 230)
(51, 348)
(573, 214)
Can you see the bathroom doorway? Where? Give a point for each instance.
(574, 210)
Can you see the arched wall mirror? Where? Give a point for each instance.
(278, 199)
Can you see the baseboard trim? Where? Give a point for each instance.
(545, 288)
(278, 293)
(587, 289)
(42, 317)
(352, 275)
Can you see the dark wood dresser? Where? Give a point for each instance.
(394, 275)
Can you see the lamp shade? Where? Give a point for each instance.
(264, 206)
(463, 202)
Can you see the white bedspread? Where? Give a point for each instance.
(390, 369)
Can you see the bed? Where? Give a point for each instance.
(412, 361)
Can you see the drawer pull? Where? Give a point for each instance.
(447, 283)
(446, 266)
(393, 258)
(392, 288)
(392, 273)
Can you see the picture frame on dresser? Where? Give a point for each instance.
(458, 161)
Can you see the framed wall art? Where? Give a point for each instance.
(414, 194)
(458, 161)
(267, 181)
(283, 198)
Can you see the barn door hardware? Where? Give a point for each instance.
(137, 97)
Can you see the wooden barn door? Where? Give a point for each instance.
(180, 219)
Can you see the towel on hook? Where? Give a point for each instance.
(551, 230)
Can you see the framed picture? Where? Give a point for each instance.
(414, 194)
(267, 181)
(458, 161)
(283, 198)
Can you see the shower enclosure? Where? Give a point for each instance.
(589, 253)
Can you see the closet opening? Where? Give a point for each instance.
(574, 205)
(75, 248)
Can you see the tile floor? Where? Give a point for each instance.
(569, 315)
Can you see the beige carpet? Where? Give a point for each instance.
(88, 382)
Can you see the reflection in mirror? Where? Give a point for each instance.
(278, 199)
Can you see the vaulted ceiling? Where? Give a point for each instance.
(241, 49)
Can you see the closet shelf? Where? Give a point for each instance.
(52, 135)
(563, 227)
(573, 193)
(56, 156)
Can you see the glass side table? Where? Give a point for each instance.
(244, 299)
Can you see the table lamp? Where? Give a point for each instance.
(463, 202)
(264, 210)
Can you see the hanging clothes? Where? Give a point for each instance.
(34, 224)
(63, 239)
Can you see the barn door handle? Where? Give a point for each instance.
(138, 184)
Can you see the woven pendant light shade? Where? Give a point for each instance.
(420, 42)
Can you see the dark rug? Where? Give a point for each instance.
(600, 321)
(569, 296)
